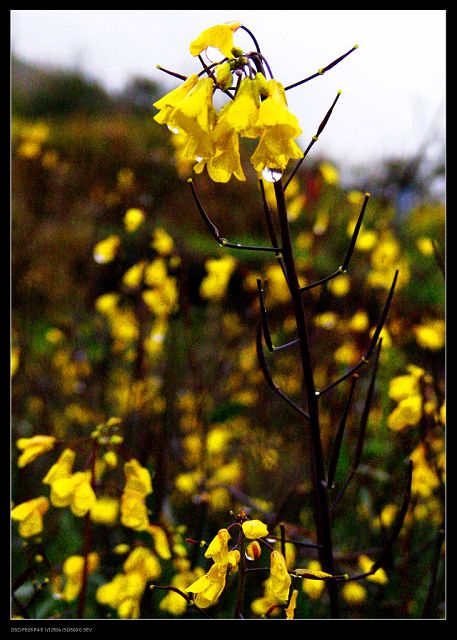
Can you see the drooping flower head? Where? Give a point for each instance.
(257, 108)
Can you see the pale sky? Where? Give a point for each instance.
(393, 85)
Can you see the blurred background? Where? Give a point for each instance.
(122, 305)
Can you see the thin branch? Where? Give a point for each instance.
(265, 325)
(188, 599)
(271, 230)
(171, 73)
(395, 531)
(214, 231)
(362, 428)
(269, 379)
(339, 436)
(428, 604)
(439, 258)
(320, 72)
(314, 139)
(365, 359)
(349, 252)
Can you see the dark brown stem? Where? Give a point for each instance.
(238, 613)
(88, 537)
(320, 497)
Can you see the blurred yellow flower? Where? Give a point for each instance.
(313, 588)
(133, 276)
(137, 477)
(403, 387)
(62, 468)
(15, 359)
(340, 285)
(354, 593)
(29, 514)
(133, 219)
(329, 172)
(214, 285)
(160, 539)
(359, 321)
(33, 447)
(407, 413)
(173, 602)
(326, 319)
(355, 197)
(105, 251)
(380, 576)
(425, 246)
(219, 37)
(430, 334)
(74, 491)
(141, 560)
(162, 242)
(105, 511)
(73, 571)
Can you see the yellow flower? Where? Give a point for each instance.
(223, 75)
(330, 173)
(62, 468)
(133, 219)
(30, 516)
(134, 512)
(73, 571)
(254, 529)
(105, 251)
(281, 579)
(403, 387)
(75, 491)
(225, 160)
(290, 611)
(241, 115)
(220, 37)
(33, 447)
(313, 588)
(168, 102)
(408, 412)
(173, 602)
(137, 477)
(215, 284)
(123, 593)
(132, 277)
(160, 541)
(141, 560)
(105, 511)
(277, 127)
(430, 334)
(354, 593)
(380, 576)
(218, 548)
(209, 587)
(162, 242)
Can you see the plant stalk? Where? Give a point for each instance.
(320, 496)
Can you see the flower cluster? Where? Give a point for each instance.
(257, 109)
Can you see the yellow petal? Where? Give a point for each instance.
(220, 37)
(253, 529)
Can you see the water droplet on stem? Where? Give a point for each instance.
(271, 175)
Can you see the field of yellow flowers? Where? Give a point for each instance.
(162, 463)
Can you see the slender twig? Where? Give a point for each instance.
(238, 613)
(366, 358)
(339, 436)
(362, 430)
(321, 72)
(314, 139)
(266, 329)
(271, 230)
(186, 597)
(268, 377)
(439, 258)
(343, 268)
(171, 73)
(427, 610)
(395, 531)
(223, 242)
